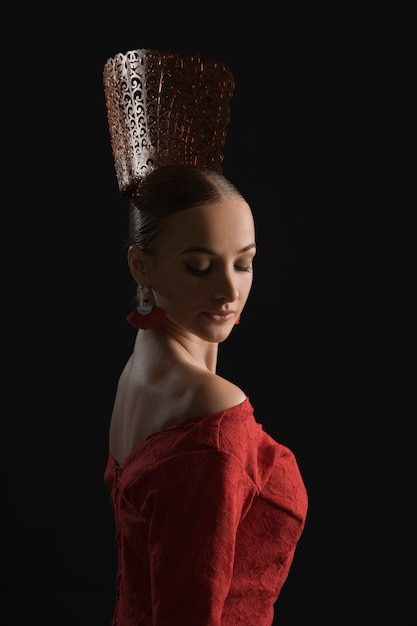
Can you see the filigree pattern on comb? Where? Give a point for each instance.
(165, 108)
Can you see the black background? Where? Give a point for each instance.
(322, 141)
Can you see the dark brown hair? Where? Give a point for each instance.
(168, 190)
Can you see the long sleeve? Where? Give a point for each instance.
(195, 509)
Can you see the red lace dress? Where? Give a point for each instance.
(208, 514)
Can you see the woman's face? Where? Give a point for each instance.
(201, 269)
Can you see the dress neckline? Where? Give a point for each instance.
(177, 425)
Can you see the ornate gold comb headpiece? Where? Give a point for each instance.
(165, 108)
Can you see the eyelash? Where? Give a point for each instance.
(239, 268)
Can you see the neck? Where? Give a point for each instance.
(166, 343)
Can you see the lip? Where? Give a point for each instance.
(220, 316)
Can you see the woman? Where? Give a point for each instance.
(208, 507)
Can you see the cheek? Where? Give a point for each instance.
(246, 281)
(176, 288)
(245, 291)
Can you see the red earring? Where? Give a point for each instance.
(146, 316)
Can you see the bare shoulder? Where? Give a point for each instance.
(213, 394)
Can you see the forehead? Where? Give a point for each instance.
(224, 223)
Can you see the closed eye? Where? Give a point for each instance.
(196, 271)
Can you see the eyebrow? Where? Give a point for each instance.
(212, 252)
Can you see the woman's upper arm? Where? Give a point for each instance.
(194, 516)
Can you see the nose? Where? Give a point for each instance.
(226, 286)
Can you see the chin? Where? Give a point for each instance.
(218, 336)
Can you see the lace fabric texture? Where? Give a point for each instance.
(208, 515)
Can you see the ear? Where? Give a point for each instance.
(138, 264)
